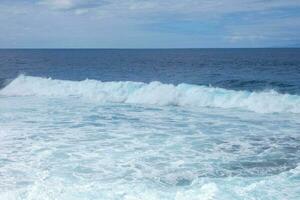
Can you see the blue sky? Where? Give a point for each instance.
(149, 23)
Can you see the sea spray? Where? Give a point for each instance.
(155, 93)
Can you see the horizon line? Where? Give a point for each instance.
(137, 48)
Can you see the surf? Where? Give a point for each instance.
(154, 93)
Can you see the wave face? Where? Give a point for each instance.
(155, 93)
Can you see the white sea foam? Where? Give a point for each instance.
(155, 93)
(69, 149)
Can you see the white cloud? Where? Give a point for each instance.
(58, 4)
(98, 23)
(189, 8)
(81, 11)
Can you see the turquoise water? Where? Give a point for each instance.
(122, 139)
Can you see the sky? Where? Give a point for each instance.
(149, 23)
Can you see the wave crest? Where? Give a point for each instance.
(155, 93)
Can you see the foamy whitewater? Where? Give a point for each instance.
(93, 140)
(154, 93)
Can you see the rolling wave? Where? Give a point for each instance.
(155, 93)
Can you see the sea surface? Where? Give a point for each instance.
(180, 124)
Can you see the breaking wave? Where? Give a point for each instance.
(155, 93)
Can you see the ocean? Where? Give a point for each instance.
(147, 124)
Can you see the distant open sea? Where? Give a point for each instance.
(180, 124)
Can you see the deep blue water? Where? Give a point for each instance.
(239, 69)
(193, 124)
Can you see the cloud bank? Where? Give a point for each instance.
(149, 23)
